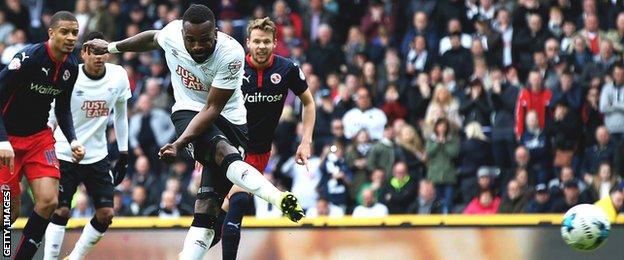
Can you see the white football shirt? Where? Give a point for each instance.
(92, 101)
(191, 80)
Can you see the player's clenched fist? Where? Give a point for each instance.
(78, 151)
(96, 46)
(6, 155)
(168, 153)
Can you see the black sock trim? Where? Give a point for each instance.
(229, 159)
(58, 220)
(203, 220)
(98, 226)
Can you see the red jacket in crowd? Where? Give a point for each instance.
(529, 100)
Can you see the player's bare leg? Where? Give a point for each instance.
(45, 191)
(15, 208)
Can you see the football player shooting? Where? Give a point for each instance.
(267, 79)
(209, 113)
(36, 76)
(100, 88)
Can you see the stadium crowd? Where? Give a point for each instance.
(423, 106)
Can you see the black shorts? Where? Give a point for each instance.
(96, 177)
(203, 148)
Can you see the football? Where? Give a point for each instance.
(585, 227)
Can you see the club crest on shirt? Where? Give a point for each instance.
(66, 75)
(276, 78)
(235, 66)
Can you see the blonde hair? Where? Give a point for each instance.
(264, 24)
(474, 130)
(414, 145)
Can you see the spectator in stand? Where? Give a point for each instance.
(470, 161)
(617, 35)
(337, 130)
(614, 203)
(324, 55)
(571, 197)
(314, 18)
(391, 106)
(376, 183)
(459, 58)
(324, 116)
(442, 151)
(83, 208)
(410, 149)
(118, 206)
(426, 202)
(288, 41)
(541, 202)
(154, 90)
(532, 40)
(566, 136)
(534, 97)
(324, 208)
(168, 208)
(602, 151)
(443, 105)
(336, 178)
(356, 158)
(475, 107)
(420, 27)
(374, 83)
(612, 104)
(601, 184)
(503, 96)
(356, 44)
(416, 98)
(382, 154)
(17, 41)
(400, 190)
(149, 129)
(483, 204)
(454, 28)
(514, 199)
(537, 143)
(591, 116)
(139, 202)
(144, 176)
(569, 91)
(6, 28)
(364, 116)
(591, 33)
(602, 63)
(580, 54)
(376, 18)
(370, 208)
(283, 14)
(418, 58)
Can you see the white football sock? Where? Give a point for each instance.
(89, 237)
(53, 241)
(196, 243)
(250, 179)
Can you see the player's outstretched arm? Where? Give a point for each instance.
(309, 117)
(217, 98)
(144, 41)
